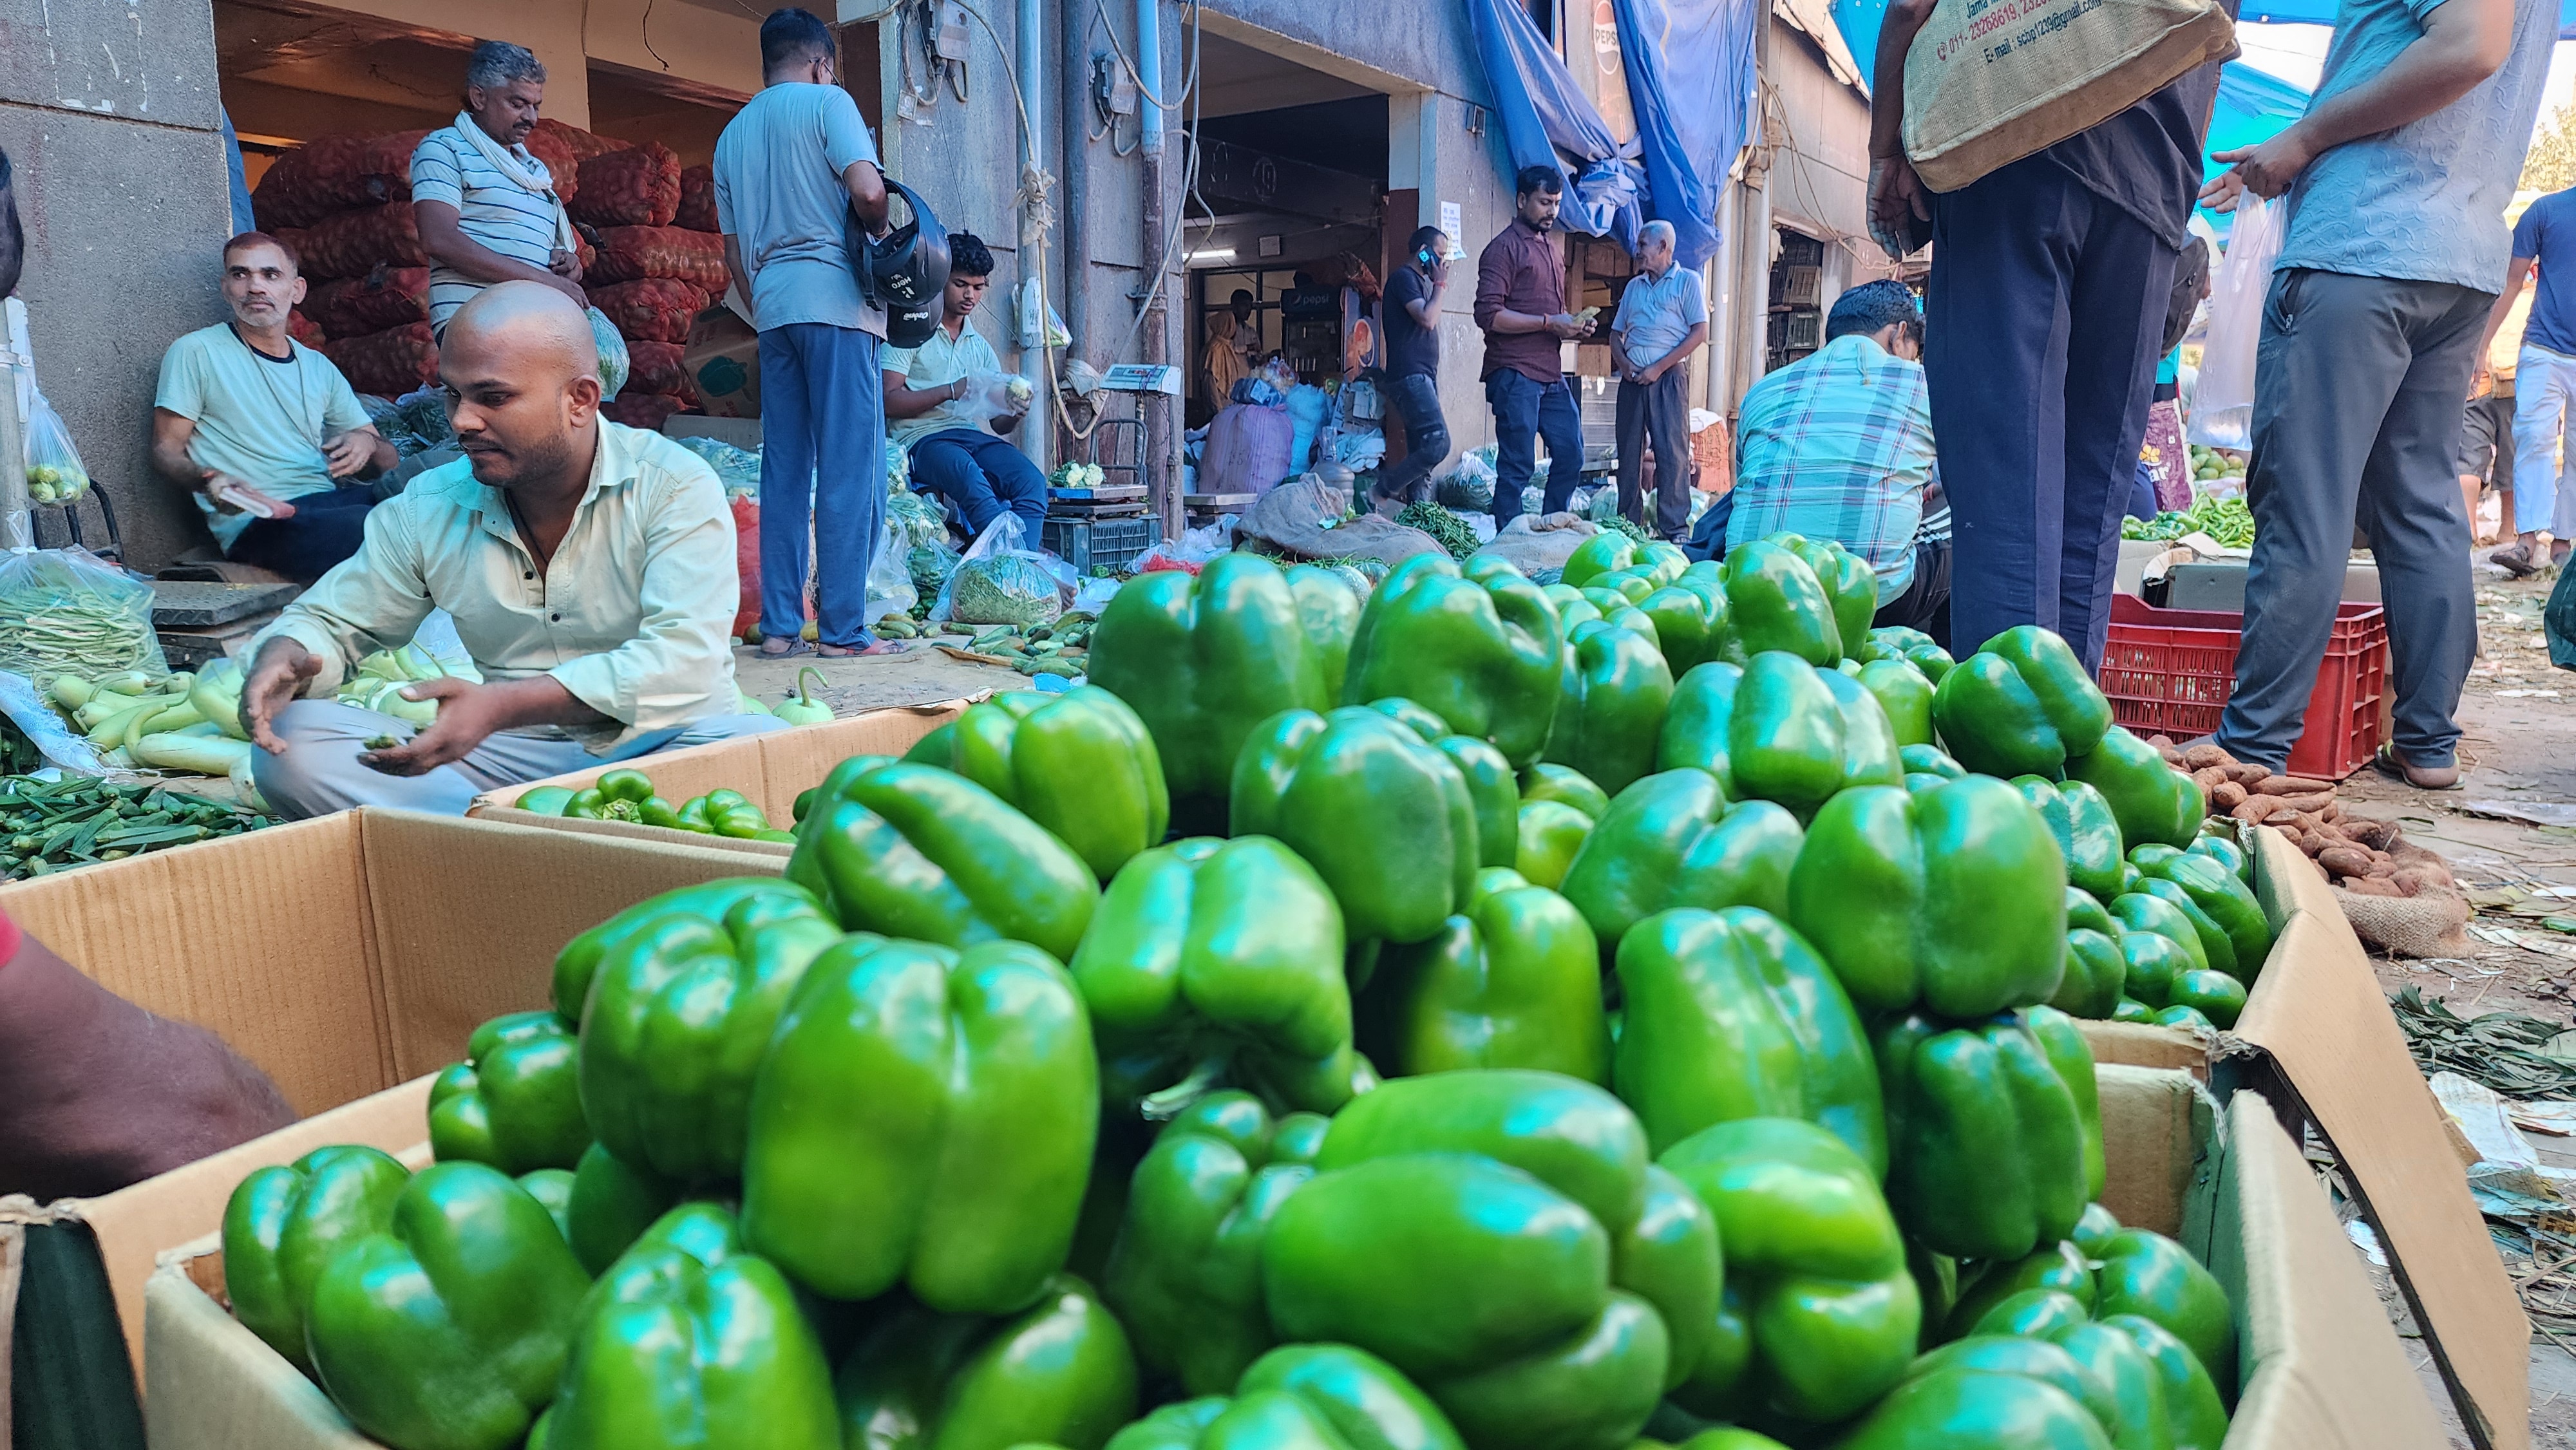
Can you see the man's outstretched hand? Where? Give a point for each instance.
(277, 677)
(466, 718)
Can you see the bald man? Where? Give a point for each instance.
(589, 567)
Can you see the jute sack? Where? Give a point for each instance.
(1988, 82)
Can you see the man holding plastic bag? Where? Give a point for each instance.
(951, 403)
(264, 431)
(2394, 250)
(589, 568)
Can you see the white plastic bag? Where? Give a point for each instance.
(993, 395)
(890, 588)
(2223, 414)
(1000, 582)
(54, 471)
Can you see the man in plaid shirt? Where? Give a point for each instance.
(1838, 445)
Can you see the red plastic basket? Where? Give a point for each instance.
(2169, 671)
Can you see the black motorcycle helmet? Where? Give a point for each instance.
(906, 273)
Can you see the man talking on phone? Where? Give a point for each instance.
(1412, 315)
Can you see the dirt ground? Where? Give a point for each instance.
(2517, 756)
(921, 675)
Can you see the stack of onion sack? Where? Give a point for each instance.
(652, 278)
(1009, 1119)
(343, 202)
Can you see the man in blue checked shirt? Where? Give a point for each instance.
(1838, 445)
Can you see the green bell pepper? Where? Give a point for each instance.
(688, 1341)
(1491, 785)
(1512, 981)
(1954, 897)
(1631, 584)
(2223, 851)
(587, 804)
(611, 1204)
(2032, 1313)
(1080, 764)
(1929, 760)
(1481, 649)
(1994, 1140)
(2217, 948)
(545, 800)
(1821, 1315)
(448, 1329)
(1551, 782)
(1057, 1373)
(1616, 689)
(923, 1117)
(1894, 642)
(1330, 611)
(2145, 912)
(914, 851)
(1779, 604)
(1302, 1397)
(1672, 840)
(515, 1102)
(2085, 910)
(1962, 1408)
(2060, 1266)
(1227, 954)
(2150, 966)
(2087, 833)
(1729, 1015)
(2020, 706)
(680, 1011)
(2181, 1016)
(1202, 660)
(1905, 696)
(692, 814)
(2214, 995)
(2193, 1407)
(579, 960)
(1606, 552)
(1308, 779)
(1501, 1237)
(1571, 607)
(2216, 891)
(2130, 1403)
(2146, 1274)
(1412, 717)
(1551, 834)
(2154, 801)
(284, 1225)
(1779, 730)
(936, 748)
(1692, 623)
(1848, 581)
(2097, 974)
(1185, 1272)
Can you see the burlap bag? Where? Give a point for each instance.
(1990, 81)
(1289, 521)
(1535, 542)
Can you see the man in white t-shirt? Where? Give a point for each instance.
(486, 208)
(958, 451)
(263, 430)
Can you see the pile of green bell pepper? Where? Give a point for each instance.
(1672, 840)
(1482, 649)
(1779, 730)
(1204, 658)
(1080, 764)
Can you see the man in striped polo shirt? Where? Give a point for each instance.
(486, 208)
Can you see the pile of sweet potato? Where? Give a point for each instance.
(2366, 857)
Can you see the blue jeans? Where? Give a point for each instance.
(1416, 397)
(325, 528)
(1525, 411)
(984, 476)
(822, 457)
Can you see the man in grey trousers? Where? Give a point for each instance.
(2398, 176)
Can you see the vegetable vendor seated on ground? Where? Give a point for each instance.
(263, 430)
(589, 568)
(958, 443)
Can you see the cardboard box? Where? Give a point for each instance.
(771, 769)
(2319, 1364)
(2220, 584)
(347, 957)
(722, 357)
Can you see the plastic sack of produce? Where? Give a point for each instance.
(657, 309)
(738, 469)
(1248, 449)
(629, 253)
(890, 586)
(658, 368)
(393, 362)
(697, 200)
(385, 297)
(614, 361)
(354, 243)
(69, 612)
(54, 471)
(1308, 406)
(919, 519)
(635, 187)
(746, 561)
(1001, 582)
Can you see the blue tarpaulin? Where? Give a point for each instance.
(1548, 121)
(1859, 21)
(1690, 74)
(2322, 12)
(2253, 107)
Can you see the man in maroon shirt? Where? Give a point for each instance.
(1520, 303)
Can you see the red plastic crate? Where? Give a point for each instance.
(2169, 671)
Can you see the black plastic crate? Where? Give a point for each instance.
(1086, 542)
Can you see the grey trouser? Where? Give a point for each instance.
(2358, 387)
(1656, 414)
(320, 773)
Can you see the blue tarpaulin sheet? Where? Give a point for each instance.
(1690, 74)
(2253, 107)
(2322, 12)
(1548, 121)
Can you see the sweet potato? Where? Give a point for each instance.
(2255, 810)
(2248, 775)
(2303, 804)
(2202, 757)
(2294, 785)
(2371, 886)
(2377, 835)
(2345, 860)
(2227, 795)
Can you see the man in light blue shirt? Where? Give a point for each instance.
(1662, 320)
(790, 170)
(958, 451)
(2397, 177)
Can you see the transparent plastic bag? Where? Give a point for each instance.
(890, 587)
(69, 612)
(616, 364)
(2222, 415)
(999, 582)
(993, 395)
(54, 471)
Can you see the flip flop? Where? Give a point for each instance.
(789, 651)
(2514, 560)
(879, 647)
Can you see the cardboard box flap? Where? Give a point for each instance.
(2328, 1031)
(2320, 1364)
(235, 1389)
(2155, 1117)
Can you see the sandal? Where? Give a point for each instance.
(875, 648)
(787, 648)
(2515, 560)
(2422, 777)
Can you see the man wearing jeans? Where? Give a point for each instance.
(2543, 380)
(1663, 319)
(958, 451)
(2398, 176)
(1412, 314)
(790, 170)
(1520, 303)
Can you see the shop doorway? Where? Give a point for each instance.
(1287, 243)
